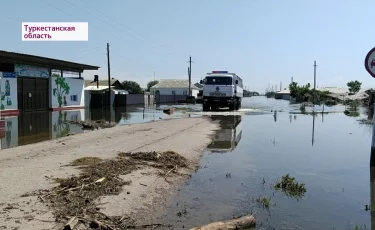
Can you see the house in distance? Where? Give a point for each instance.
(173, 90)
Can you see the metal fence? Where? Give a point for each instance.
(170, 98)
(133, 99)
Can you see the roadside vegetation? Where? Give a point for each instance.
(303, 93)
(270, 94)
(250, 93)
(352, 109)
(354, 86)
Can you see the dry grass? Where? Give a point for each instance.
(86, 161)
(77, 196)
(100, 124)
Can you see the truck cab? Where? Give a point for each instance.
(222, 89)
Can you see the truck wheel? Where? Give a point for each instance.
(206, 108)
(238, 105)
(233, 107)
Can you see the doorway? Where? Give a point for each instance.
(33, 94)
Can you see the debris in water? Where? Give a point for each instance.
(102, 124)
(245, 222)
(291, 187)
(265, 202)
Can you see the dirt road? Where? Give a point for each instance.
(29, 168)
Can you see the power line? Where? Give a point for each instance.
(137, 35)
(95, 17)
(113, 35)
(78, 18)
(120, 38)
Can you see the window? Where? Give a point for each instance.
(219, 81)
(73, 98)
(185, 92)
(173, 92)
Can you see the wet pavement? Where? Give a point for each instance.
(330, 153)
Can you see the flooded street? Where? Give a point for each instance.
(33, 127)
(254, 148)
(329, 153)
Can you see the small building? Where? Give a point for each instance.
(32, 83)
(173, 90)
(96, 93)
(283, 94)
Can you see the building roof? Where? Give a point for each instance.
(101, 82)
(173, 83)
(285, 91)
(95, 88)
(27, 59)
(331, 90)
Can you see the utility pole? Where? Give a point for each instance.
(292, 80)
(189, 80)
(109, 84)
(314, 83)
(190, 61)
(280, 86)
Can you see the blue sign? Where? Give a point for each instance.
(9, 75)
(31, 71)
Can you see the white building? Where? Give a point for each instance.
(178, 87)
(173, 90)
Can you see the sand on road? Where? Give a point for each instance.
(28, 168)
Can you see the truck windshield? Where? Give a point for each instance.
(218, 81)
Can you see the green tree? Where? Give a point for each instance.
(132, 86)
(354, 86)
(300, 93)
(150, 84)
(62, 88)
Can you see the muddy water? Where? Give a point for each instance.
(330, 153)
(33, 127)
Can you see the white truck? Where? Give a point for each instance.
(227, 138)
(222, 89)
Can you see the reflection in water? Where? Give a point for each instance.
(275, 115)
(115, 115)
(33, 127)
(61, 127)
(227, 138)
(313, 131)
